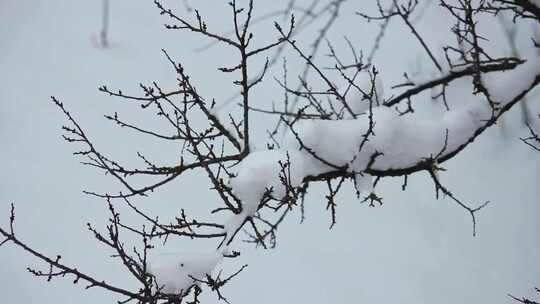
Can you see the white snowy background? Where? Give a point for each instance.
(413, 249)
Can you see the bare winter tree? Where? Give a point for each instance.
(336, 124)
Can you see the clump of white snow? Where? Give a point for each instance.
(403, 140)
(178, 275)
(260, 170)
(258, 173)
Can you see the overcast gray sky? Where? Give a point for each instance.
(413, 249)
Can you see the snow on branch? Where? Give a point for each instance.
(326, 130)
(397, 145)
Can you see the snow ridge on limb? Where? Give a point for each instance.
(178, 276)
(397, 145)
